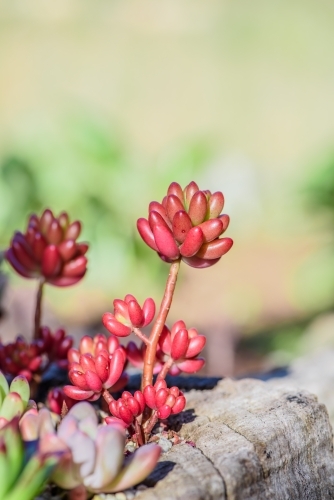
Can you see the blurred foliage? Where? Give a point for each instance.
(320, 188)
(95, 178)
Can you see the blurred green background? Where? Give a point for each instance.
(104, 103)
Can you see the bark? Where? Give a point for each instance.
(254, 441)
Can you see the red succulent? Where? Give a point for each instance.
(187, 225)
(128, 315)
(56, 345)
(97, 366)
(21, 358)
(127, 407)
(165, 401)
(182, 347)
(48, 249)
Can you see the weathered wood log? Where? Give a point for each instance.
(254, 441)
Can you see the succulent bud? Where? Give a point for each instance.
(48, 249)
(165, 401)
(128, 315)
(183, 346)
(187, 225)
(96, 366)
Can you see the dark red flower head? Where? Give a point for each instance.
(56, 345)
(165, 401)
(187, 225)
(22, 358)
(97, 365)
(183, 346)
(48, 249)
(128, 315)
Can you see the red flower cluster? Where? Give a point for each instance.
(183, 346)
(56, 345)
(187, 225)
(128, 315)
(48, 249)
(21, 358)
(29, 359)
(96, 366)
(165, 401)
(127, 407)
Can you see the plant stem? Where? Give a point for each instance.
(140, 335)
(107, 397)
(139, 434)
(151, 423)
(159, 324)
(165, 369)
(38, 309)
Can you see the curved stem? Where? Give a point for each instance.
(159, 324)
(165, 369)
(151, 423)
(139, 435)
(107, 397)
(38, 309)
(140, 335)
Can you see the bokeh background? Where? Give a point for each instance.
(103, 104)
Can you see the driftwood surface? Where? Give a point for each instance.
(254, 441)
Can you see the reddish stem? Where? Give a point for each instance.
(159, 324)
(38, 310)
(139, 434)
(140, 335)
(151, 423)
(165, 369)
(107, 397)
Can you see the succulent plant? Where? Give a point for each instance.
(187, 225)
(23, 473)
(127, 407)
(56, 345)
(128, 315)
(48, 249)
(95, 368)
(165, 401)
(49, 252)
(21, 358)
(96, 452)
(14, 399)
(180, 348)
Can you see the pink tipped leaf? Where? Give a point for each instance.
(216, 204)
(148, 311)
(192, 243)
(174, 204)
(165, 242)
(51, 261)
(191, 365)
(136, 314)
(198, 208)
(196, 345)
(180, 344)
(114, 326)
(146, 233)
(215, 249)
